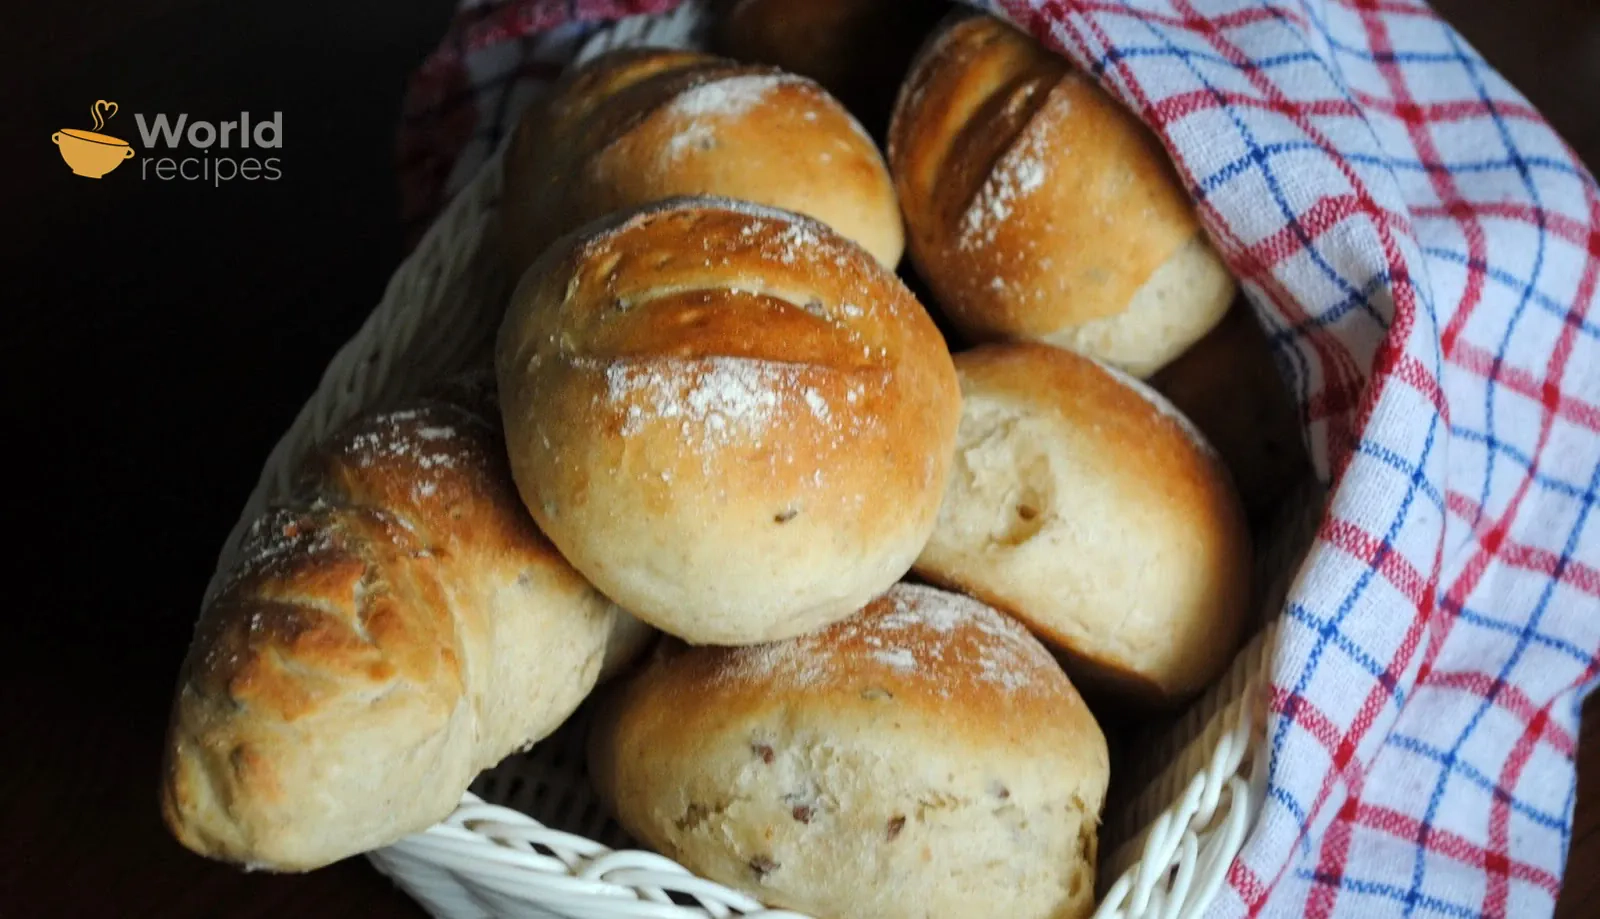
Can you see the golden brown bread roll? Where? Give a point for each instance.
(857, 49)
(923, 759)
(1227, 385)
(1037, 208)
(733, 421)
(641, 125)
(395, 626)
(1084, 504)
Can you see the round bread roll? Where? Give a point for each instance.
(1087, 506)
(1039, 209)
(857, 49)
(923, 759)
(733, 421)
(1227, 385)
(636, 126)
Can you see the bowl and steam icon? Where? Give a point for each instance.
(91, 154)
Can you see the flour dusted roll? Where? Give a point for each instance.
(733, 421)
(923, 759)
(857, 49)
(1083, 503)
(1037, 208)
(391, 628)
(641, 125)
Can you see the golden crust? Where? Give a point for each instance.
(830, 41)
(927, 743)
(637, 126)
(1090, 509)
(944, 657)
(857, 49)
(707, 391)
(350, 673)
(1143, 442)
(1034, 203)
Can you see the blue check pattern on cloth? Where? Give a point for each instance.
(1423, 252)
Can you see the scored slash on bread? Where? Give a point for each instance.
(636, 126)
(731, 419)
(393, 627)
(1037, 208)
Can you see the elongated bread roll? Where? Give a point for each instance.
(393, 628)
(733, 421)
(1038, 208)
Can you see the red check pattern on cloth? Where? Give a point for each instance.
(1424, 253)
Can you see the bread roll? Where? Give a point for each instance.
(628, 641)
(1037, 208)
(923, 759)
(858, 50)
(1227, 385)
(1087, 506)
(730, 419)
(394, 627)
(641, 125)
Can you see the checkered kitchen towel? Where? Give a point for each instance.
(1423, 250)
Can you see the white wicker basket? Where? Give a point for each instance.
(530, 838)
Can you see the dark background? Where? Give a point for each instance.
(161, 335)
